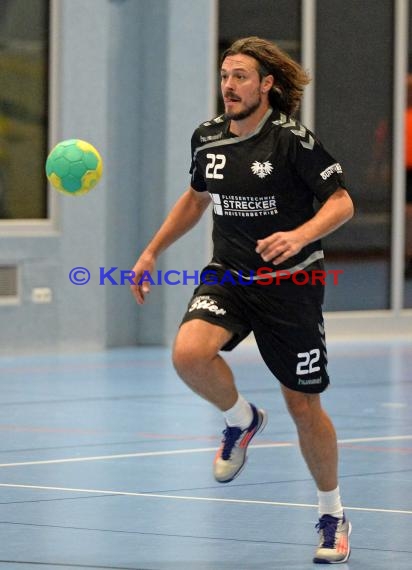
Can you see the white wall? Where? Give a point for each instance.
(134, 78)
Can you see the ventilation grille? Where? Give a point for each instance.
(8, 281)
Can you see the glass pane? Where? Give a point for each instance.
(353, 119)
(276, 20)
(23, 108)
(408, 161)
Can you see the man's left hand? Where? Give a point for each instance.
(278, 247)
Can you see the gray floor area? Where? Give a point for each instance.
(106, 462)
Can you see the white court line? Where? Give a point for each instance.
(188, 451)
(379, 438)
(137, 454)
(192, 498)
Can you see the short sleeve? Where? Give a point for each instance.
(197, 181)
(315, 166)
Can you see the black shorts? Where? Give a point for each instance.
(289, 334)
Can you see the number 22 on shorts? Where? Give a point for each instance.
(308, 362)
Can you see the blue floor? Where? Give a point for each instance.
(105, 462)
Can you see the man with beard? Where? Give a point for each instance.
(262, 170)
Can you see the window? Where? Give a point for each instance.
(276, 20)
(354, 84)
(24, 31)
(408, 143)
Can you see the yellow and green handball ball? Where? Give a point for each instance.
(74, 167)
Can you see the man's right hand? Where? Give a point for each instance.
(144, 265)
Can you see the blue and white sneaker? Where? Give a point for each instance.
(334, 547)
(231, 457)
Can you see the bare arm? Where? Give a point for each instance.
(278, 247)
(185, 214)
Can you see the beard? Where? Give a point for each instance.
(247, 111)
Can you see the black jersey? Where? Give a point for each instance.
(260, 184)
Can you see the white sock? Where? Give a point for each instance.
(240, 415)
(330, 503)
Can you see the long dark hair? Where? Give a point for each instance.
(290, 77)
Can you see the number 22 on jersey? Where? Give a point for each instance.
(216, 163)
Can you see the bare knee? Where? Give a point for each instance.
(196, 345)
(190, 358)
(303, 408)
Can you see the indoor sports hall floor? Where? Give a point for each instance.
(106, 463)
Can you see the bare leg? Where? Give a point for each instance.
(196, 359)
(317, 437)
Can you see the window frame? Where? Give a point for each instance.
(45, 226)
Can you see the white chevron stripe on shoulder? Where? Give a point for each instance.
(300, 133)
(309, 144)
(286, 123)
(281, 121)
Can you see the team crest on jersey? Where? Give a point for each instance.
(261, 169)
